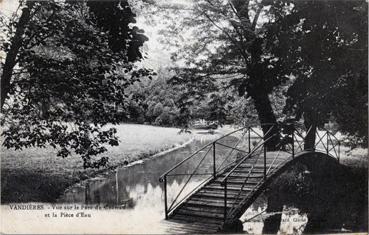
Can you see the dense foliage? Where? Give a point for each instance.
(71, 75)
(160, 102)
(312, 53)
(330, 78)
(70, 69)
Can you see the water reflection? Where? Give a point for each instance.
(128, 185)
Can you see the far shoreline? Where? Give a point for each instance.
(112, 169)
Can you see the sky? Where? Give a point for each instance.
(157, 52)
(7, 8)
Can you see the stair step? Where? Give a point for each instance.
(237, 177)
(230, 188)
(198, 219)
(269, 160)
(219, 196)
(203, 214)
(181, 230)
(244, 176)
(214, 200)
(241, 171)
(193, 224)
(219, 180)
(180, 226)
(247, 165)
(220, 190)
(197, 208)
(249, 182)
(207, 204)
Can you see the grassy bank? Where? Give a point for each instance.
(38, 175)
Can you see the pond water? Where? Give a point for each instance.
(138, 191)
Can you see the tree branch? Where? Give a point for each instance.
(257, 15)
(243, 53)
(11, 56)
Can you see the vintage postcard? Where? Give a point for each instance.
(184, 116)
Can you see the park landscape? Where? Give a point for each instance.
(101, 101)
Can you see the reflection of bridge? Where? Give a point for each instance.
(228, 182)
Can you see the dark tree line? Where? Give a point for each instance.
(158, 102)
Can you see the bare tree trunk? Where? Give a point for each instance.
(267, 119)
(10, 60)
(255, 89)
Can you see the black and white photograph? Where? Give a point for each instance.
(184, 117)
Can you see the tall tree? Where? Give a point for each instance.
(70, 78)
(259, 45)
(324, 43)
(230, 44)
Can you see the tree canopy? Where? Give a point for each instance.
(314, 52)
(331, 75)
(73, 66)
(70, 69)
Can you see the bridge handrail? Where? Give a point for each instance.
(244, 158)
(331, 134)
(183, 161)
(196, 152)
(290, 137)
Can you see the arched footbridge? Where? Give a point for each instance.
(228, 174)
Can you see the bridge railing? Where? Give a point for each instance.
(327, 142)
(259, 151)
(213, 160)
(292, 142)
(206, 164)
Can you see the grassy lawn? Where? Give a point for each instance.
(39, 175)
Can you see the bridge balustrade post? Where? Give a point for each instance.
(327, 142)
(249, 135)
(214, 166)
(293, 142)
(165, 197)
(339, 148)
(265, 151)
(225, 201)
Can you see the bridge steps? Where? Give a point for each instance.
(206, 206)
(181, 226)
(230, 189)
(220, 194)
(201, 213)
(198, 219)
(246, 172)
(209, 203)
(249, 182)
